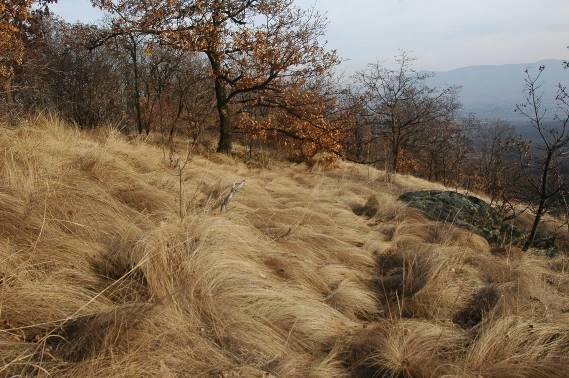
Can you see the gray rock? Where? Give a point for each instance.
(470, 213)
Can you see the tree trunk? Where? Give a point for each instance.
(134, 56)
(225, 127)
(564, 198)
(225, 131)
(171, 134)
(395, 158)
(173, 125)
(536, 222)
(542, 201)
(8, 90)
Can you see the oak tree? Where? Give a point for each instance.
(254, 47)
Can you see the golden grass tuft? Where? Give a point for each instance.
(315, 271)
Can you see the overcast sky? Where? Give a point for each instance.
(441, 34)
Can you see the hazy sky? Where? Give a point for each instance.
(441, 34)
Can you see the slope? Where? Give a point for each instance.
(315, 271)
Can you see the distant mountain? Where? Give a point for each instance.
(491, 92)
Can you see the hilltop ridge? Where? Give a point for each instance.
(492, 91)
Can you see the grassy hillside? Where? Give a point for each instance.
(100, 277)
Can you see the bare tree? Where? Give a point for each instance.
(441, 150)
(133, 44)
(85, 86)
(399, 103)
(553, 145)
(501, 169)
(494, 161)
(192, 96)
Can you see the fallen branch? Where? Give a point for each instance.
(235, 188)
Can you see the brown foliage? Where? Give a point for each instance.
(256, 49)
(15, 17)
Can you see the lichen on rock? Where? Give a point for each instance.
(471, 213)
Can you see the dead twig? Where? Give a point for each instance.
(180, 166)
(235, 188)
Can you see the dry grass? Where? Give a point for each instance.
(313, 272)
